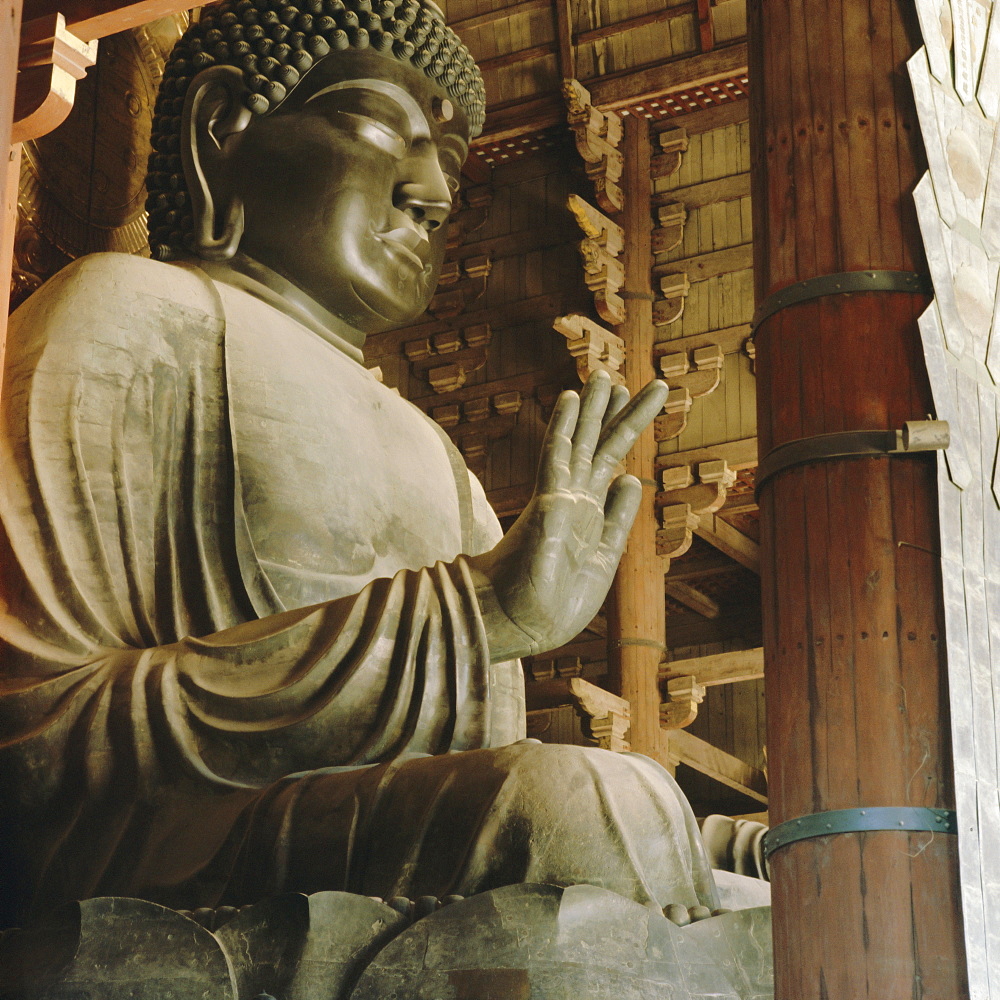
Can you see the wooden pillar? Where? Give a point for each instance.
(636, 613)
(10, 156)
(853, 618)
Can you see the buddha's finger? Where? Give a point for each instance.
(624, 497)
(621, 431)
(593, 407)
(619, 398)
(557, 445)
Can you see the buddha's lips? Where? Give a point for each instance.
(406, 242)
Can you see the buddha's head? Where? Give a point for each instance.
(322, 139)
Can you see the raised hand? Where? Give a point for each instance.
(547, 578)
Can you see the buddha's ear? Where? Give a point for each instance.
(213, 113)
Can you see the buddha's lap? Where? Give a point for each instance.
(467, 822)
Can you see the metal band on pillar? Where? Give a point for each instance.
(910, 819)
(915, 436)
(843, 283)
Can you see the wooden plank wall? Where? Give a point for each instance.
(713, 181)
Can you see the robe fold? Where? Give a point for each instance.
(229, 556)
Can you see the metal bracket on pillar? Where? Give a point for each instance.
(912, 819)
(915, 436)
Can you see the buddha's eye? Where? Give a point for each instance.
(375, 132)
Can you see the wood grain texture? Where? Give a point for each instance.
(636, 618)
(852, 605)
(10, 158)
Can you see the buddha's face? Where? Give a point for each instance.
(348, 185)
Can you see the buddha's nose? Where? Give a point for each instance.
(424, 195)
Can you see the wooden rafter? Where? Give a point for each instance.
(513, 119)
(502, 13)
(706, 31)
(717, 764)
(640, 21)
(564, 38)
(718, 668)
(90, 19)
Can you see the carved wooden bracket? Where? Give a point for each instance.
(598, 135)
(600, 250)
(50, 61)
(684, 695)
(674, 419)
(604, 276)
(676, 531)
(688, 494)
(597, 226)
(700, 375)
(672, 218)
(459, 295)
(703, 487)
(477, 423)
(675, 288)
(446, 359)
(673, 143)
(594, 348)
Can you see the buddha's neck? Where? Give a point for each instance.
(262, 282)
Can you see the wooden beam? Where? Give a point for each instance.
(656, 17)
(564, 37)
(691, 598)
(521, 55)
(723, 767)
(706, 30)
(727, 539)
(501, 14)
(92, 19)
(705, 119)
(569, 690)
(709, 265)
(718, 668)
(693, 630)
(730, 340)
(695, 567)
(10, 156)
(709, 193)
(680, 73)
(513, 119)
(737, 454)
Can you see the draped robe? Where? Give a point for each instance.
(182, 459)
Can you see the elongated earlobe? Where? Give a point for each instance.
(213, 111)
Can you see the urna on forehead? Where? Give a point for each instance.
(275, 43)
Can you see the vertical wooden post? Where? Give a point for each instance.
(853, 617)
(10, 156)
(636, 614)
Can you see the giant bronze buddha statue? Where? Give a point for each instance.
(260, 627)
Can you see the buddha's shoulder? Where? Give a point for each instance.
(114, 299)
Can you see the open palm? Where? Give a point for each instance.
(551, 572)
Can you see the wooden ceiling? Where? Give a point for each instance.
(679, 57)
